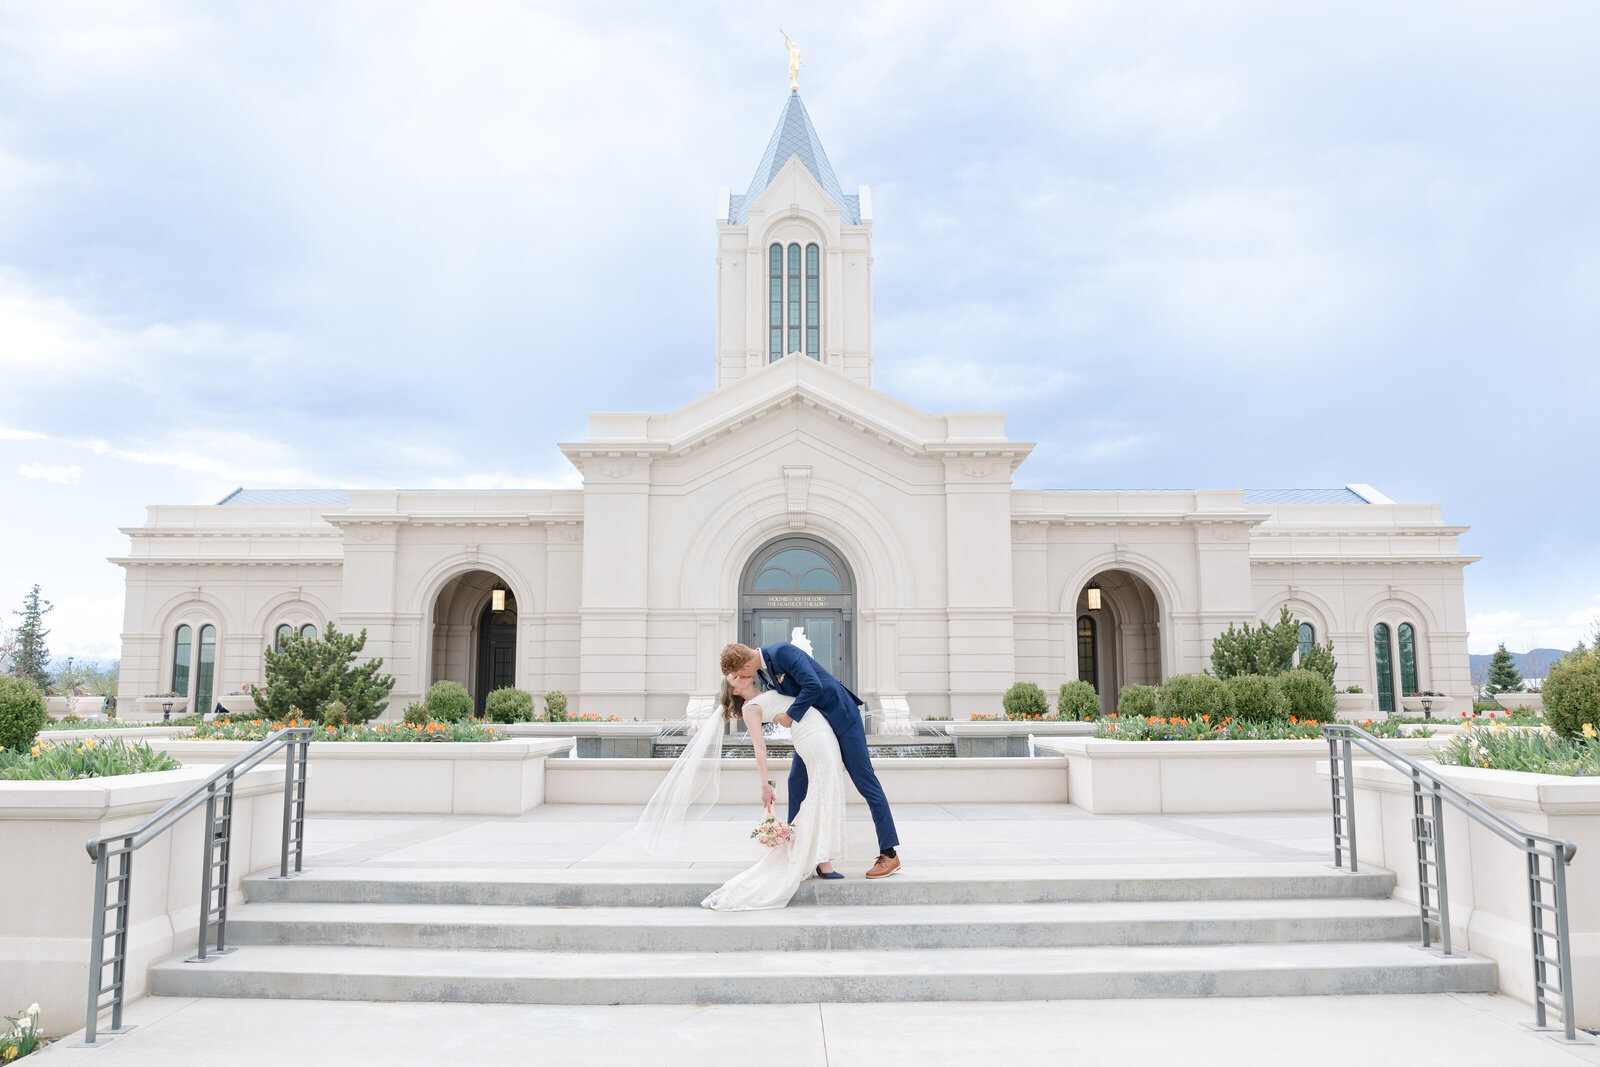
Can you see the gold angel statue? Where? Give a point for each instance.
(795, 62)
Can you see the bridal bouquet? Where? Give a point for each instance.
(772, 832)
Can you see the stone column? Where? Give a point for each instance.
(616, 564)
(982, 652)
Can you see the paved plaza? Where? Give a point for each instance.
(594, 841)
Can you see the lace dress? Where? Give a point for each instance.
(818, 825)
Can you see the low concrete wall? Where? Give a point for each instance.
(1488, 876)
(905, 781)
(983, 740)
(47, 878)
(596, 740)
(130, 734)
(412, 777)
(1183, 777)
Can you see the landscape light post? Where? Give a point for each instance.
(1427, 707)
(166, 711)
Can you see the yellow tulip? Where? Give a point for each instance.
(1589, 731)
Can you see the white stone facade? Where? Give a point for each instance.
(931, 579)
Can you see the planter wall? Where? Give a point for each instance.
(1355, 707)
(1187, 777)
(1520, 701)
(983, 740)
(905, 781)
(47, 881)
(411, 777)
(605, 740)
(1488, 876)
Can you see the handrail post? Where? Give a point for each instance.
(1349, 802)
(1558, 870)
(97, 943)
(205, 872)
(1440, 871)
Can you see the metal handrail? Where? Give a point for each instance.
(216, 793)
(1434, 896)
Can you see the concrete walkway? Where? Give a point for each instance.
(595, 840)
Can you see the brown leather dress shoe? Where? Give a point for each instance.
(885, 866)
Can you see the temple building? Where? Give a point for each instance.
(794, 493)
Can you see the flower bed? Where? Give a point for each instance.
(48, 761)
(257, 729)
(1534, 751)
(1201, 728)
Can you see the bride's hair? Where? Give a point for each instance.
(731, 703)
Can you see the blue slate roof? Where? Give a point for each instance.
(1304, 496)
(287, 498)
(795, 136)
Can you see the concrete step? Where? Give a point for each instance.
(665, 887)
(861, 926)
(354, 973)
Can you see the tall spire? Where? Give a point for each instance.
(795, 136)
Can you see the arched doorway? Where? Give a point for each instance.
(1117, 626)
(475, 635)
(801, 581)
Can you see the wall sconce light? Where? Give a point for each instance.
(1093, 593)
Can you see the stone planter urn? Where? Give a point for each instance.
(1438, 707)
(237, 703)
(151, 707)
(1355, 707)
(1520, 701)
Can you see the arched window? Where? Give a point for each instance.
(1308, 639)
(813, 304)
(794, 301)
(1408, 659)
(283, 633)
(1383, 659)
(308, 632)
(207, 671)
(775, 303)
(797, 570)
(1088, 666)
(182, 653)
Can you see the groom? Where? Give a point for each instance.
(794, 674)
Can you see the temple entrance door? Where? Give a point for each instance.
(801, 581)
(497, 652)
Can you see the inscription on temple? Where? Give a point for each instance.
(797, 601)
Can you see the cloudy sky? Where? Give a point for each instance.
(1231, 244)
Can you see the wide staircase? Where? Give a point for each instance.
(945, 933)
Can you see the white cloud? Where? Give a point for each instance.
(62, 475)
(86, 627)
(1522, 632)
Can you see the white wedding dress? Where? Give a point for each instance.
(818, 825)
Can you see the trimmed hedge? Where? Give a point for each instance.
(22, 713)
(1309, 695)
(1025, 700)
(448, 702)
(1188, 696)
(508, 705)
(1078, 701)
(1571, 693)
(555, 706)
(1138, 700)
(1257, 698)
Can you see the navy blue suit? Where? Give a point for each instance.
(795, 674)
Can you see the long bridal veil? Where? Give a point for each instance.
(688, 791)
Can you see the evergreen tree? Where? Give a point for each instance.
(311, 673)
(31, 657)
(1503, 674)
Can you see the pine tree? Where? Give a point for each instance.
(31, 657)
(1503, 674)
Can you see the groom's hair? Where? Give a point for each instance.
(735, 656)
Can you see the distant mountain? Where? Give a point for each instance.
(1534, 663)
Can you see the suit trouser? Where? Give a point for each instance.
(858, 765)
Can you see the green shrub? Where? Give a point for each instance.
(22, 713)
(508, 705)
(448, 702)
(334, 713)
(415, 714)
(1078, 701)
(555, 706)
(1571, 693)
(1141, 700)
(1309, 695)
(1025, 700)
(310, 672)
(1188, 696)
(1257, 698)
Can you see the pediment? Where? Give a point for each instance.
(794, 191)
(793, 380)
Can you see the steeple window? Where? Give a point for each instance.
(794, 301)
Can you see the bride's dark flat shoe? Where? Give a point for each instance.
(830, 874)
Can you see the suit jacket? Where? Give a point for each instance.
(798, 675)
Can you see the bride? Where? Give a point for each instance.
(818, 825)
